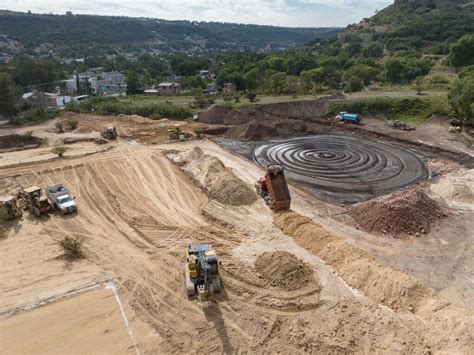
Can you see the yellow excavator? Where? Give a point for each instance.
(201, 272)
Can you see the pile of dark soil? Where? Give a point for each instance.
(408, 211)
(284, 270)
(14, 141)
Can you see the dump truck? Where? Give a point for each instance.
(11, 207)
(201, 272)
(36, 202)
(273, 188)
(348, 117)
(110, 133)
(61, 198)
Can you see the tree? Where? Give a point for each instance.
(354, 84)
(314, 76)
(419, 85)
(9, 96)
(461, 96)
(132, 82)
(461, 53)
(363, 71)
(394, 71)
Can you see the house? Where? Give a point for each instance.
(210, 90)
(169, 88)
(229, 88)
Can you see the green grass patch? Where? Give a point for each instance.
(36, 115)
(406, 109)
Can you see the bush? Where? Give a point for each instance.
(59, 151)
(59, 126)
(3, 214)
(113, 106)
(28, 134)
(71, 247)
(36, 115)
(251, 96)
(72, 124)
(354, 84)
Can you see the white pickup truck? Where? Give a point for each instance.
(61, 199)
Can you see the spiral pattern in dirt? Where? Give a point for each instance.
(346, 167)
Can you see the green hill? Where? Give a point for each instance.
(69, 34)
(426, 26)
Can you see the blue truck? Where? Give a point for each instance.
(348, 117)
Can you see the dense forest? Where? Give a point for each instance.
(76, 35)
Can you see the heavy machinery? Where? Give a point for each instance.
(110, 133)
(36, 202)
(348, 117)
(61, 199)
(10, 204)
(273, 188)
(201, 272)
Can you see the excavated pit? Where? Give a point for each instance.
(343, 168)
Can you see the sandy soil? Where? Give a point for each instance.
(137, 213)
(91, 322)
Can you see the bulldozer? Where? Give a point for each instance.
(10, 204)
(110, 133)
(201, 272)
(36, 202)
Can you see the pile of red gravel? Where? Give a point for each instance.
(408, 211)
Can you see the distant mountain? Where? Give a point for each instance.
(420, 25)
(78, 34)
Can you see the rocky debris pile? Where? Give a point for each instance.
(409, 211)
(15, 141)
(284, 270)
(220, 183)
(400, 125)
(441, 166)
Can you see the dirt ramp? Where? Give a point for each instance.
(358, 268)
(409, 211)
(284, 270)
(219, 182)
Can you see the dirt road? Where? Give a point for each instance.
(137, 213)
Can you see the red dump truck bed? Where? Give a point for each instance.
(278, 188)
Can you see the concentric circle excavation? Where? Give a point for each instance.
(346, 168)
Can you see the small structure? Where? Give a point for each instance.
(210, 90)
(229, 88)
(151, 92)
(168, 88)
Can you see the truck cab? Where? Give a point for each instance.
(61, 199)
(348, 117)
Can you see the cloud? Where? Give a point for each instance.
(293, 13)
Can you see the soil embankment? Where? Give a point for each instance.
(19, 141)
(218, 181)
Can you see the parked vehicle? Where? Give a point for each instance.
(61, 199)
(35, 201)
(10, 204)
(348, 117)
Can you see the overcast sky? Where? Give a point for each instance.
(293, 13)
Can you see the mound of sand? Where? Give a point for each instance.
(284, 270)
(358, 268)
(408, 211)
(220, 183)
(456, 187)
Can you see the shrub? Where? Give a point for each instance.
(3, 214)
(36, 115)
(59, 151)
(72, 124)
(251, 96)
(72, 247)
(28, 133)
(354, 84)
(59, 126)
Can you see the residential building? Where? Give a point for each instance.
(168, 88)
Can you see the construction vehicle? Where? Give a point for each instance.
(61, 199)
(201, 272)
(10, 205)
(348, 117)
(110, 133)
(273, 188)
(36, 202)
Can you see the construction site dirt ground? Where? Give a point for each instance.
(138, 211)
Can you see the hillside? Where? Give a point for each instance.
(67, 34)
(420, 25)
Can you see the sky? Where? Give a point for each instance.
(291, 13)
